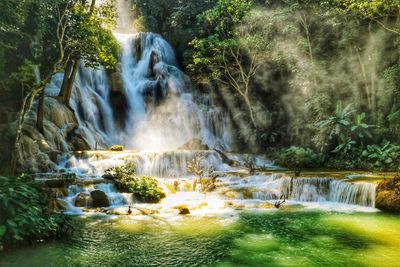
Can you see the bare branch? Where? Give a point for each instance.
(385, 27)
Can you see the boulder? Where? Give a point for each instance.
(99, 199)
(388, 195)
(83, 200)
(226, 159)
(182, 209)
(117, 85)
(194, 144)
(79, 143)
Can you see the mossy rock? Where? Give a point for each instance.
(99, 199)
(388, 195)
(116, 148)
(183, 209)
(388, 201)
(83, 200)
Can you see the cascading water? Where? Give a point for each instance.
(161, 114)
(148, 106)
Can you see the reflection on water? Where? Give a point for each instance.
(279, 238)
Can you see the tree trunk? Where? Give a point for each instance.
(68, 81)
(67, 74)
(71, 81)
(92, 5)
(40, 113)
(253, 121)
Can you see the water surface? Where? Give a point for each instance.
(274, 238)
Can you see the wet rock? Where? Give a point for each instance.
(154, 59)
(99, 199)
(61, 204)
(117, 84)
(236, 206)
(388, 195)
(265, 205)
(137, 46)
(83, 200)
(226, 159)
(182, 209)
(78, 143)
(39, 151)
(194, 144)
(145, 211)
(233, 194)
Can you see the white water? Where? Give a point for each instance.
(232, 194)
(163, 113)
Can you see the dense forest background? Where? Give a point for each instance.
(323, 76)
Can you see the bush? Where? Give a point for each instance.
(385, 156)
(144, 188)
(24, 215)
(298, 158)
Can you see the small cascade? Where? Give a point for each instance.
(311, 190)
(116, 198)
(162, 164)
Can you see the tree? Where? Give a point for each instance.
(88, 38)
(79, 33)
(377, 11)
(232, 56)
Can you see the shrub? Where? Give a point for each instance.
(144, 188)
(385, 156)
(297, 158)
(24, 215)
(117, 148)
(204, 172)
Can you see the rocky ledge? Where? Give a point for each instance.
(388, 195)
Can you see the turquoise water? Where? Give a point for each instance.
(280, 238)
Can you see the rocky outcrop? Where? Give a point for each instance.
(388, 195)
(194, 144)
(182, 209)
(99, 199)
(40, 151)
(83, 200)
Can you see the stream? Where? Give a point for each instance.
(324, 220)
(274, 238)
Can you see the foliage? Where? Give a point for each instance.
(174, 20)
(144, 188)
(373, 9)
(343, 133)
(298, 158)
(220, 35)
(333, 126)
(24, 215)
(116, 148)
(385, 156)
(88, 35)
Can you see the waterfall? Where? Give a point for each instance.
(318, 190)
(161, 164)
(162, 111)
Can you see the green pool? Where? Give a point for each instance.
(280, 238)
